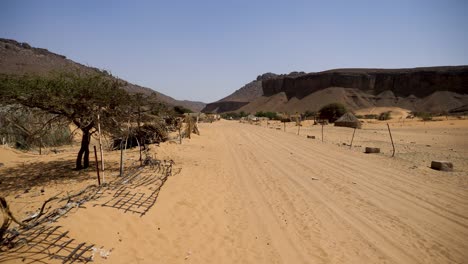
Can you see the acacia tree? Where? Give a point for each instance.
(77, 97)
(29, 127)
(332, 111)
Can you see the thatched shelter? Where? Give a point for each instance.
(348, 120)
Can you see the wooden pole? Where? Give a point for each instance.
(139, 146)
(97, 166)
(40, 146)
(121, 158)
(322, 131)
(100, 147)
(180, 134)
(284, 126)
(299, 126)
(391, 138)
(351, 145)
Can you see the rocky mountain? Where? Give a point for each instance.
(21, 58)
(430, 89)
(244, 95)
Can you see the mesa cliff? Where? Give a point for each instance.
(431, 89)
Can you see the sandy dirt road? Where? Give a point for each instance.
(248, 194)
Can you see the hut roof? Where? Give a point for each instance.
(348, 117)
(348, 120)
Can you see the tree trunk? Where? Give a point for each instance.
(83, 154)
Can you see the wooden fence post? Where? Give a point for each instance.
(322, 131)
(100, 147)
(97, 166)
(351, 145)
(391, 138)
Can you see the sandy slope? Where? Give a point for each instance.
(248, 194)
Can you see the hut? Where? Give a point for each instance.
(348, 120)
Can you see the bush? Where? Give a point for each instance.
(230, 115)
(385, 116)
(29, 128)
(180, 110)
(308, 113)
(270, 115)
(423, 115)
(332, 112)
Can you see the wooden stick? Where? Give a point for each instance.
(391, 138)
(97, 166)
(351, 145)
(284, 126)
(322, 132)
(100, 147)
(180, 134)
(121, 158)
(139, 146)
(299, 126)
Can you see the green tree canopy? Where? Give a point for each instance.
(332, 112)
(77, 97)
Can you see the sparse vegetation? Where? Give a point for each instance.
(180, 110)
(78, 99)
(26, 128)
(423, 115)
(270, 115)
(234, 115)
(385, 116)
(308, 114)
(332, 112)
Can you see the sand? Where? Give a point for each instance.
(249, 194)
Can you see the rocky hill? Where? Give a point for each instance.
(21, 58)
(244, 95)
(431, 89)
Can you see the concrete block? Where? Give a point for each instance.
(442, 165)
(372, 150)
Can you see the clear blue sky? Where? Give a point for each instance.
(204, 50)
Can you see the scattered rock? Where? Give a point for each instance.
(442, 165)
(1, 164)
(372, 150)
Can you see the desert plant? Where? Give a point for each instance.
(270, 115)
(180, 110)
(26, 127)
(309, 113)
(385, 116)
(332, 112)
(423, 115)
(78, 98)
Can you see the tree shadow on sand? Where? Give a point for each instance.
(37, 174)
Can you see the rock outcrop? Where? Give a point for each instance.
(419, 82)
(430, 89)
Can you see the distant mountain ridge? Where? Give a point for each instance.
(21, 58)
(429, 89)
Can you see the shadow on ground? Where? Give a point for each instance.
(38, 174)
